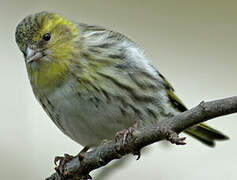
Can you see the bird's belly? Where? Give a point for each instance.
(88, 117)
(84, 120)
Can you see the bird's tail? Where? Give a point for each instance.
(205, 134)
(201, 132)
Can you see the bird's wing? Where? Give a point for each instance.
(123, 63)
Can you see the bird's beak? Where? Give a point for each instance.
(32, 55)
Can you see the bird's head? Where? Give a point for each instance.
(46, 35)
(48, 43)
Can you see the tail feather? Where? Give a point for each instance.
(206, 134)
(201, 132)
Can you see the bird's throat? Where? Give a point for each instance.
(47, 76)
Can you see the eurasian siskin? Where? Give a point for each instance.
(94, 82)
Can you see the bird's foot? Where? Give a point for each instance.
(63, 160)
(126, 133)
(174, 138)
(126, 136)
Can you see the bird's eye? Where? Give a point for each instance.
(46, 36)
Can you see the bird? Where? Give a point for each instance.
(94, 82)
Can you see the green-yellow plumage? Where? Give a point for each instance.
(94, 82)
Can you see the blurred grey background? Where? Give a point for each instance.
(193, 43)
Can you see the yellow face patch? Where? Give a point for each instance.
(49, 71)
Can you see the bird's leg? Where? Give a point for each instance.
(81, 154)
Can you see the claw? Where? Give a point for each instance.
(58, 158)
(138, 154)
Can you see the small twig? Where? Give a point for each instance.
(165, 129)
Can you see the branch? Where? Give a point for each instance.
(165, 129)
